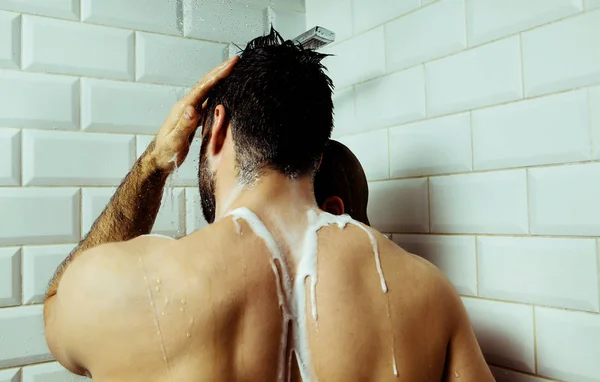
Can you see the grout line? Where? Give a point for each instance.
(536, 376)
(530, 304)
(535, 349)
(498, 235)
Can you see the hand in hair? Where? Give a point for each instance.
(172, 142)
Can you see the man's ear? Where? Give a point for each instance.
(334, 205)
(219, 130)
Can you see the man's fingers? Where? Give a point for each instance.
(187, 125)
(201, 89)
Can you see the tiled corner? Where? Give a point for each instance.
(121, 107)
(453, 255)
(595, 122)
(53, 158)
(187, 174)
(563, 200)
(504, 332)
(391, 100)
(568, 344)
(22, 333)
(492, 19)
(483, 76)
(507, 375)
(62, 9)
(371, 149)
(50, 372)
(335, 15)
(67, 47)
(368, 14)
(174, 60)
(157, 16)
(492, 202)
(193, 211)
(435, 146)
(170, 220)
(552, 62)
(546, 130)
(10, 375)
(39, 215)
(408, 43)
(399, 206)
(10, 276)
(39, 265)
(21, 90)
(10, 40)
(543, 271)
(344, 112)
(10, 157)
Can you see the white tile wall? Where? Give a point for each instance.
(552, 62)
(567, 344)
(50, 372)
(435, 146)
(68, 158)
(492, 19)
(507, 375)
(564, 200)
(543, 271)
(368, 14)
(10, 157)
(591, 4)
(66, 9)
(453, 255)
(335, 15)
(424, 35)
(39, 215)
(74, 48)
(483, 76)
(552, 129)
(391, 100)
(10, 276)
(22, 90)
(121, 107)
(151, 15)
(10, 375)
(194, 218)
(595, 121)
(371, 149)
(39, 265)
(504, 332)
(22, 333)
(290, 24)
(173, 60)
(479, 203)
(344, 112)
(10, 40)
(399, 205)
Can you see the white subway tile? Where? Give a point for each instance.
(552, 62)
(10, 375)
(39, 265)
(193, 215)
(187, 174)
(435, 146)
(506, 375)
(22, 333)
(335, 15)
(479, 77)
(10, 157)
(492, 19)
(170, 220)
(453, 255)
(121, 107)
(358, 59)
(564, 200)
(230, 21)
(344, 112)
(39, 215)
(371, 149)
(174, 60)
(399, 206)
(74, 48)
(163, 16)
(410, 41)
(22, 90)
(50, 372)
(494, 202)
(10, 40)
(592, 4)
(368, 14)
(72, 158)
(65, 9)
(426, 2)
(93, 202)
(504, 332)
(542, 271)
(391, 100)
(546, 130)
(568, 344)
(10, 276)
(595, 116)
(289, 24)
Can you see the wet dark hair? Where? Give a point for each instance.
(341, 175)
(278, 101)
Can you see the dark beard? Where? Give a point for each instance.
(206, 184)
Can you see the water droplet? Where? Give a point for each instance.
(188, 335)
(456, 375)
(183, 301)
(158, 289)
(162, 314)
(158, 281)
(181, 309)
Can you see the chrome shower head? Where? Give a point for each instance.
(315, 38)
